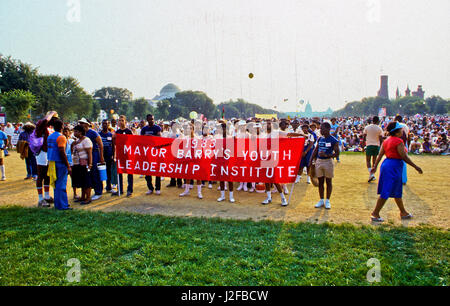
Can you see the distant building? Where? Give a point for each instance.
(407, 92)
(419, 93)
(384, 90)
(167, 92)
(309, 113)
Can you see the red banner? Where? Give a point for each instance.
(260, 160)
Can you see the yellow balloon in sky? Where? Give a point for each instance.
(193, 115)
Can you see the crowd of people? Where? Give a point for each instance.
(54, 150)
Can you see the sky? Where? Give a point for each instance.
(327, 52)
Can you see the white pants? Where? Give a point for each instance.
(41, 159)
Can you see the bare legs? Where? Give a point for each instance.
(381, 202)
(322, 187)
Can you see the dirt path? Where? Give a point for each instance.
(426, 197)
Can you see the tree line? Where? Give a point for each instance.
(407, 105)
(28, 95)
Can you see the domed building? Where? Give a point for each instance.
(167, 92)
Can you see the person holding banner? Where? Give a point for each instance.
(152, 130)
(189, 134)
(123, 130)
(327, 148)
(222, 184)
(268, 186)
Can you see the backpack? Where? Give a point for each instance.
(36, 143)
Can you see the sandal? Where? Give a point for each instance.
(375, 219)
(407, 217)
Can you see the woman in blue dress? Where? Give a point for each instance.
(390, 184)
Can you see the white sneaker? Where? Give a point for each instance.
(297, 180)
(320, 204)
(185, 193)
(232, 200)
(286, 190)
(308, 180)
(221, 199)
(274, 190)
(266, 201)
(149, 192)
(252, 190)
(96, 197)
(3, 178)
(199, 195)
(210, 186)
(284, 202)
(327, 204)
(245, 187)
(240, 187)
(158, 192)
(218, 188)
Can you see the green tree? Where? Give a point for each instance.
(163, 110)
(438, 105)
(17, 104)
(63, 94)
(112, 98)
(188, 101)
(16, 75)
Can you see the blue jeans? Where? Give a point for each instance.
(130, 183)
(30, 162)
(60, 191)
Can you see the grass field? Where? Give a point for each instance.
(121, 241)
(426, 197)
(131, 249)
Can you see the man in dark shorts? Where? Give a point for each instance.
(373, 137)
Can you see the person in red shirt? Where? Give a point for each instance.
(390, 184)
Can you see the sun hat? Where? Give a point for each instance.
(29, 124)
(84, 120)
(397, 126)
